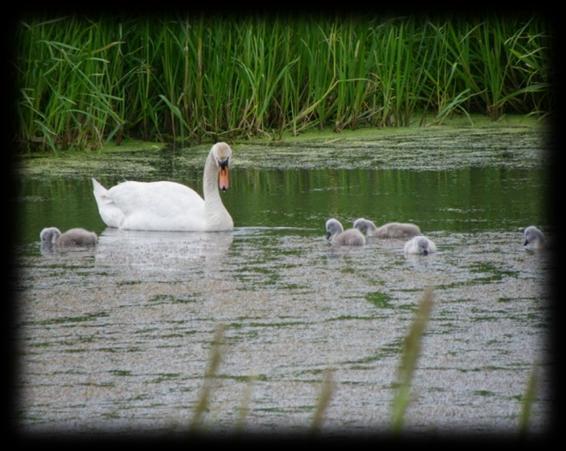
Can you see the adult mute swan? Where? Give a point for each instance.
(336, 235)
(170, 206)
(52, 236)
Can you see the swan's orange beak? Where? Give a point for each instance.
(223, 178)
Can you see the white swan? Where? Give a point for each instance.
(534, 238)
(336, 235)
(170, 206)
(52, 236)
(389, 230)
(419, 245)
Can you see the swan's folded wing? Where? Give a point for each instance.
(157, 205)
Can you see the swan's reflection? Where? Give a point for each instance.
(421, 262)
(161, 252)
(47, 248)
(51, 250)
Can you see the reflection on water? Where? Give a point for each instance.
(50, 250)
(155, 252)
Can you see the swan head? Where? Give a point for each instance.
(222, 153)
(333, 227)
(422, 243)
(365, 226)
(533, 235)
(49, 235)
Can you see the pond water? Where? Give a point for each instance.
(117, 338)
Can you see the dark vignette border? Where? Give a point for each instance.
(11, 151)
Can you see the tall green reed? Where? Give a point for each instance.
(84, 82)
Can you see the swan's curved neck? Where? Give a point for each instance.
(210, 181)
(217, 216)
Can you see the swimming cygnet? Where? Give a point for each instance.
(78, 237)
(419, 245)
(367, 227)
(389, 230)
(336, 235)
(534, 238)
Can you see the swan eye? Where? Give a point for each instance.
(223, 163)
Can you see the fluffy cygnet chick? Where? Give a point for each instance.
(336, 235)
(534, 238)
(367, 227)
(397, 230)
(419, 245)
(77, 237)
(389, 230)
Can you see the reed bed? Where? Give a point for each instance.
(84, 82)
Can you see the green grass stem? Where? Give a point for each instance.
(327, 389)
(214, 360)
(408, 363)
(527, 402)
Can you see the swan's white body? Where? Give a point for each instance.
(168, 206)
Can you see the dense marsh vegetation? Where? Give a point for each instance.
(83, 82)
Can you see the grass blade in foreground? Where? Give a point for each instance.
(409, 356)
(326, 392)
(213, 364)
(245, 404)
(527, 402)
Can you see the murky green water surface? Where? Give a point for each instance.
(117, 338)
